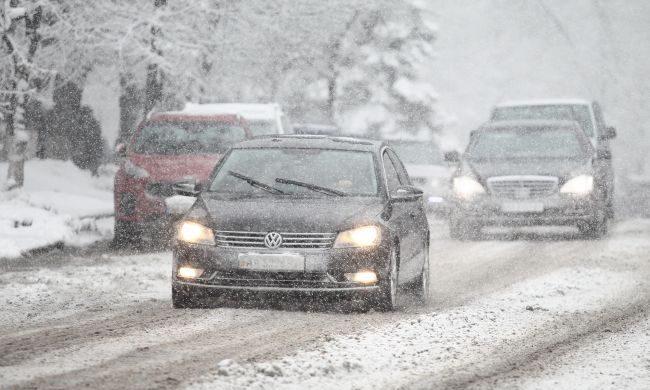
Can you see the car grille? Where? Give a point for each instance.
(522, 187)
(241, 239)
(160, 190)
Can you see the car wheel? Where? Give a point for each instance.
(125, 234)
(184, 298)
(597, 228)
(460, 230)
(421, 286)
(386, 297)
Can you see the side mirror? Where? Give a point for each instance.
(452, 157)
(406, 194)
(120, 150)
(603, 154)
(187, 189)
(608, 133)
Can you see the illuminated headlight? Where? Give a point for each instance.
(195, 233)
(189, 272)
(135, 171)
(579, 185)
(360, 237)
(466, 188)
(365, 277)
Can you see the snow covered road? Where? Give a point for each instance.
(525, 310)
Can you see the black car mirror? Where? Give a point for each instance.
(608, 133)
(603, 154)
(452, 157)
(405, 194)
(120, 150)
(187, 189)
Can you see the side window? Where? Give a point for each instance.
(401, 171)
(391, 173)
(598, 113)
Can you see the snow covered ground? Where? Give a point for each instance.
(59, 204)
(540, 311)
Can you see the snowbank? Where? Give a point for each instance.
(59, 204)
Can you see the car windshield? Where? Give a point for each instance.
(263, 127)
(305, 172)
(176, 138)
(576, 112)
(522, 143)
(418, 153)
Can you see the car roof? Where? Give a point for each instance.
(180, 116)
(250, 111)
(531, 123)
(543, 102)
(311, 142)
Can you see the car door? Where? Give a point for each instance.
(413, 224)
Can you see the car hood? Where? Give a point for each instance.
(561, 168)
(318, 215)
(177, 168)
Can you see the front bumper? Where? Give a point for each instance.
(554, 210)
(324, 269)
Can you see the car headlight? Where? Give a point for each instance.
(579, 185)
(360, 237)
(195, 233)
(466, 187)
(135, 171)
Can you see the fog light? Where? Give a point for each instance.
(189, 272)
(365, 277)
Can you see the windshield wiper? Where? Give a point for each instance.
(257, 183)
(313, 187)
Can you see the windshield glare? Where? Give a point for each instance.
(518, 143)
(176, 138)
(417, 153)
(579, 113)
(349, 172)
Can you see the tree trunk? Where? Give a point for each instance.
(154, 84)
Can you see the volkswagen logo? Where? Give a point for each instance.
(273, 240)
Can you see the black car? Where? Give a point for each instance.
(528, 173)
(305, 213)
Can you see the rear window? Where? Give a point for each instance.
(175, 138)
(526, 143)
(576, 112)
(263, 127)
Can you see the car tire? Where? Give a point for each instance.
(462, 231)
(596, 228)
(422, 283)
(386, 298)
(184, 298)
(125, 234)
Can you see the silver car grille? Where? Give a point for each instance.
(241, 239)
(522, 187)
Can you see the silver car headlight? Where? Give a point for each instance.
(361, 237)
(466, 187)
(195, 233)
(580, 185)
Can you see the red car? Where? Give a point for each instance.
(167, 149)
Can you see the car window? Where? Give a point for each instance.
(177, 137)
(402, 175)
(573, 112)
(263, 127)
(349, 172)
(392, 178)
(524, 143)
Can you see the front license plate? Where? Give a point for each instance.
(291, 262)
(522, 207)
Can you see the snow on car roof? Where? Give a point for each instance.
(530, 123)
(542, 102)
(250, 111)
